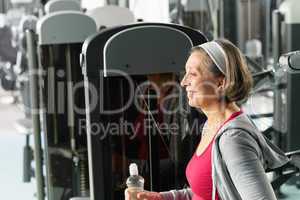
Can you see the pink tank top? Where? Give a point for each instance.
(199, 172)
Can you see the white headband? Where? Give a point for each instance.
(217, 54)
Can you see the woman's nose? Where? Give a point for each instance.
(183, 81)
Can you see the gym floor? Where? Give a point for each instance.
(11, 153)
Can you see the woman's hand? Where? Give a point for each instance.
(149, 196)
(145, 195)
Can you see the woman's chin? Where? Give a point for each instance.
(196, 103)
(192, 103)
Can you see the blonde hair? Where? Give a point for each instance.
(238, 78)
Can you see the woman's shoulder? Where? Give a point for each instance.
(239, 134)
(242, 136)
(237, 139)
(241, 124)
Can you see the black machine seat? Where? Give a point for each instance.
(137, 50)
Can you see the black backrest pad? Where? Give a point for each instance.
(93, 47)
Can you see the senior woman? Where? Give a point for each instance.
(232, 156)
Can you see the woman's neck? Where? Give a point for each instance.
(217, 114)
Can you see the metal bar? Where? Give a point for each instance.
(153, 137)
(179, 8)
(149, 132)
(277, 18)
(249, 20)
(123, 139)
(212, 18)
(264, 115)
(297, 152)
(88, 132)
(263, 74)
(253, 64)
(268, 29)
(221, 20)
(70, 98)
(3, 7)
(278, 106)
(51, 96)
(42, 98)
(27, 158)
(33, 69)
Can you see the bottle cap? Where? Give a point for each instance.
(133, 169)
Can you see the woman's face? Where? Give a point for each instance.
(201, 85)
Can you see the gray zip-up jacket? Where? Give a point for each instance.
(240, 156)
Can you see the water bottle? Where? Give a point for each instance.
(135, 183)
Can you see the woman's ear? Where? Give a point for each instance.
(221, 89)
(221, 83)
